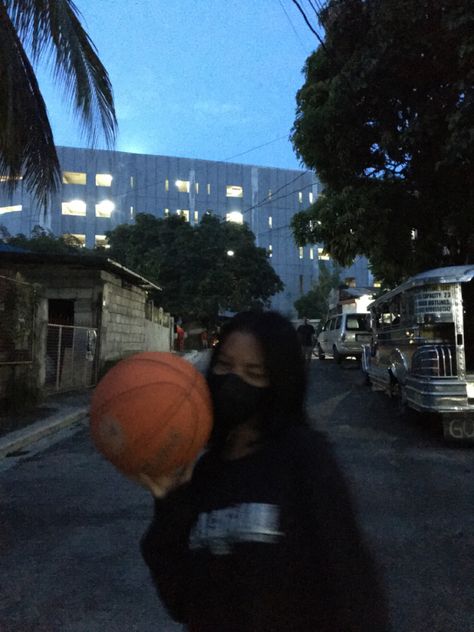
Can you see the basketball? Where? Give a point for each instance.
(151, 414)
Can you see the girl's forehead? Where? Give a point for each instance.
(242, 347)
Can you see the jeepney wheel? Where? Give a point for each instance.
(321, 355)
(336, 355)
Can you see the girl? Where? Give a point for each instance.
(261, 535)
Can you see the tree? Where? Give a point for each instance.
(385, 116)
(314, 304)
(42, 241)
(192, 265)
(42, 27)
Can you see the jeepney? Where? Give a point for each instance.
(422, 346)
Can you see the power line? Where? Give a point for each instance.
(305, 17)
(254, 148)
(270, 198)
(293, 28)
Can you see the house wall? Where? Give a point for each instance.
(125, 329)
(102, 301)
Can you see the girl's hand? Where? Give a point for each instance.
(161, 486)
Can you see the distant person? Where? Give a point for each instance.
(204, 339)
(306, 335)
(180, 338)
(261, 535)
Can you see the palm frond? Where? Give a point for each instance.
(53, 27)
(26, 141)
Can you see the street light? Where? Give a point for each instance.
(230, 253)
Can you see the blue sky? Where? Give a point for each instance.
(205, 79)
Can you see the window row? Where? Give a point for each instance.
(79, 208)
(79, 239)
(183, 186)
(78, 177)
(322, 254)
(234, 216)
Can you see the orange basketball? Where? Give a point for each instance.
(151, 413)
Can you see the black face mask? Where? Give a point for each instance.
(234, 401)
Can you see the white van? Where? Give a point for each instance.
(343, 335)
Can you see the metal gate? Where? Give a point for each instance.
(71, 358)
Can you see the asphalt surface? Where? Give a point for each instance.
(70, 524)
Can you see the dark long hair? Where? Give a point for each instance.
(284, 363)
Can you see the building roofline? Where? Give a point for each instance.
(86, 261)
(227, 162)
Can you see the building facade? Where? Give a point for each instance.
(102, 189)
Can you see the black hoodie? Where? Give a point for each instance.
(267, 542)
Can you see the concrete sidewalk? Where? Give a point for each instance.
(57, 412)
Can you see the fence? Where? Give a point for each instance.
(17, 320)
(71, 357)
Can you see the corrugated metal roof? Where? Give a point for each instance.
(437, 276)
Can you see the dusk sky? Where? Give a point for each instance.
(207, 79)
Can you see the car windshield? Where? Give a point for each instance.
(357, 322)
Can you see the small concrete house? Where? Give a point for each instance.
(64, 318)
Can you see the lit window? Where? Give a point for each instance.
(183, 186)
(10, 178)
(209, 189)
(301, 252)
(74, 177)
(234, 191)
(311, 253)
(10, 209)
(270, 221)
(74, 238)
(323, 255)
(132, 182)
(270, 250)
(101, 241)
(167, 212)
(74, 207)
(196, 216)
(104, 208)
(235, 216)
(183, 213)
(167, 185)
(196, 186)
(311, 197)
(300, 197)
(103, 180)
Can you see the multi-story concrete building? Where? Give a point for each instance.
(102, 189)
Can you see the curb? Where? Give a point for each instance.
(32, 433)
(17, 440)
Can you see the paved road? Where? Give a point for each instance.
(69, 524)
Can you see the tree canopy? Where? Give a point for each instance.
(193, 265)
(386, 118)
(31, 30)
(314, 304)
(42, 241)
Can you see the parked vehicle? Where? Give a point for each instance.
(422, 347)
(343, 335)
